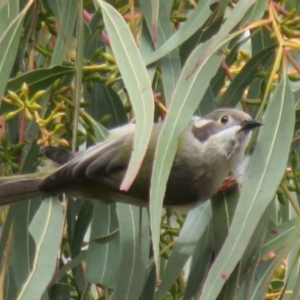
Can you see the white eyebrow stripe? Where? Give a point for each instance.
(201, 122)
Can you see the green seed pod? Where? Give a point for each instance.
(52, 30)
(58, 128)
(84, 104)
(178, 18)
(294, 160)
(253, 101)
(34, 106)
(11, 115)
(38, 95)
(290, 32)
(90, 86)
(109, 58)
(15, 98)
(105, 119)
(28, 114)
(40, 48)
(294, 21)
(291, 187)
(281, 197)
(4, 140)
(51, 20)
(97, 55)
(294, 77)
(262, 74)
(173, 231)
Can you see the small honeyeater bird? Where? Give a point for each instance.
(207, 150)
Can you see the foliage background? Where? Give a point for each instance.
(71, 70)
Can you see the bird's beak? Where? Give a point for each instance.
(250, 124)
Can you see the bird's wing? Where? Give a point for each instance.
(58, 155)
(105, 162)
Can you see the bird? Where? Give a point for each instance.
(207, 151)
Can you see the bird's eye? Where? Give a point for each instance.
(224, 119)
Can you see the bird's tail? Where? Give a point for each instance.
(18, 188)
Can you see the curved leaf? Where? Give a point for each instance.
(46, 229)
(193, 228)
(9, 41)
(263, 176)
(134, 251)
(135, 77)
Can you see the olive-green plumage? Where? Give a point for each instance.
(207, 151)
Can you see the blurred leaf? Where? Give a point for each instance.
(154, 24)
(170, 64)
(297, 123)
(70, 265)
(262, 283)
(24, 247)
(192, 230)
(277, 237)
(103, 259)
(137, 82)
(36, 80)
(256, 12)
(243, 79)
(9, 10)
(186, 97)
(134, 251)
(81, 226)
(202, 256)
(252, 255)
(9, 41)
(66, 13)
(104, 101)
(223, 207)
(261, 182)
(194, 22)
(46, 229)
(150, 283)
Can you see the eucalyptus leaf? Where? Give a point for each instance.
(260, 185)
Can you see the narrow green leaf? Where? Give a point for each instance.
(223, 207)
(69, 266)
(24, 248)
(170, 64)
(138, 85)
(256, 12)
(261, 182)
(104, 101)
(36, 80)
(66, 13)
(82, 222)
(251, 257)
(150, 284)
(192, 84)
(200, 14)
(186, 98)
(9, 41)
(46, 229)
(103, 259)
(193, 227)
(261, 286)
(9, 10)
(243, 79)
(134, 251)
(202, 256)
(229, 289)
(154, 23)
(277, 237)
(77, 93)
